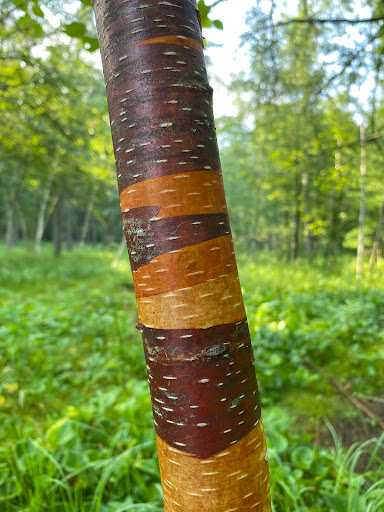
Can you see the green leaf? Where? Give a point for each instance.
(24, 20)
(148, 466)
(218, 24)
(91, 44)
(37, 28)
(277, 441)
(74, 459)
(337, 502)
(204, 12)
(61, 433)
(75, 29)
(302, 457)
(37, 10)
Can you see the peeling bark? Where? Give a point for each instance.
(210, 438)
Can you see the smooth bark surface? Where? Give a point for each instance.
(211, 444)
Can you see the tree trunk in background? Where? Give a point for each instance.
(296, 226)
(210, 439)
(58, 227)
(22, 222)
(377, 245)
(84, 231)
(10, 223)
(68, 228)
(308, 220)
(363, 193)
(94, 231)
(119, 255)
(41, 217)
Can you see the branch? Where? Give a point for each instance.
(313, 21)
(216, 3)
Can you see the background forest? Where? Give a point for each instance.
(302, 158)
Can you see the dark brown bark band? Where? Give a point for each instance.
(148, 237)
(203, 386)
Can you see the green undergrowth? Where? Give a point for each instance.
(76, 429)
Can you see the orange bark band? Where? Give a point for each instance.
(174, 40)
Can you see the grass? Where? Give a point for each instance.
(76, 429)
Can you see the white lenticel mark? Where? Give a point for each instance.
(169, 378)
(203, 381)
(202, 425)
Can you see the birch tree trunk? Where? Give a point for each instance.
(41, 217)
(210, 438)
(363, 193)
(84, 231)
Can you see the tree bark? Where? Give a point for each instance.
(297, 216)
(58, 227)
(210, 438)
(363, 193)
(22, 222)
(41, 217)
(68, 228)
(87, 220)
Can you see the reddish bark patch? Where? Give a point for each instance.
(195, 409)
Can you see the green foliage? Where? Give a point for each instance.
(76, 428)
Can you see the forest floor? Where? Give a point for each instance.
(76, 429)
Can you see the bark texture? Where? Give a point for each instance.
(211, 444)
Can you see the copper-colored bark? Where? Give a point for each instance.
(234, 480)
(211, 445)
(195, 264)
